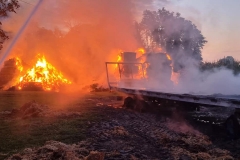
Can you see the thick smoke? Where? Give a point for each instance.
(87, 34)
(186, 61)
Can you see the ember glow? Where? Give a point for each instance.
(143, 65)
(141, 50)
(174, 75)
(19, 64)
(43, 74)
(119, 58)
(168, 57)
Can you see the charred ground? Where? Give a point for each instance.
(97, 125)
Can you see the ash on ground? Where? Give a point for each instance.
(126, 134)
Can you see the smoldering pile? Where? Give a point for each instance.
(28, 110)
(34, 109)
(58, 150)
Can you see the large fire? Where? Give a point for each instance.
(19, 64)
(143, 65)
(43, 74)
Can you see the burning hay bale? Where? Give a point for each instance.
(29, 110)
(9, 71)
(43, 76)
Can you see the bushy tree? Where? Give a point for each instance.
(6, 6)
(175, 35)
(227, 62)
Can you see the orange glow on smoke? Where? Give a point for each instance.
(141, 50)
(119, 58)
(175, 77)
(168, 57)
(19, 64)
(159, 49)
(45, 74)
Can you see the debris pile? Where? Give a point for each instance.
(126, 134)
(34, 109)
(30, 110)
(58, 150)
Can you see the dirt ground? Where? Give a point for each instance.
(119, 133)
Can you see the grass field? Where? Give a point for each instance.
(15, 99)
(17, 134)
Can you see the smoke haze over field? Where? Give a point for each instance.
(87, 33)
(92, 32)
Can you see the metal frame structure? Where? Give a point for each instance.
(208, 100)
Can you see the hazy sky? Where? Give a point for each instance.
(218, 20)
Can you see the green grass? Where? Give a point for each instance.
(15, 134)
(15, 99)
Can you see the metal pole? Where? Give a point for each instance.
(107, 75)
(131, 71)
(120, 73)
(143, 71)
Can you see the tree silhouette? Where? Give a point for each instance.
(6, 6)
(173, 34)
(227, 62)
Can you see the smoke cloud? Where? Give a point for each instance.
(89, 33)
(86, 34)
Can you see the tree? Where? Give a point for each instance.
(6, 6)
(175, 35)
(227, 62)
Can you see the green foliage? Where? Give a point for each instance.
(6, 6)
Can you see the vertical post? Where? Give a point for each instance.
(107, 75)
(120, 73)
(131, 70)
(142, 70)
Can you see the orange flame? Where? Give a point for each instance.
(19, 64)
(141, 50)
(119, 58)
(45, 74)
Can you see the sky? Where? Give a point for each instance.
(218, 20)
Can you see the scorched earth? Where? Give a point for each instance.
(95, 126)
